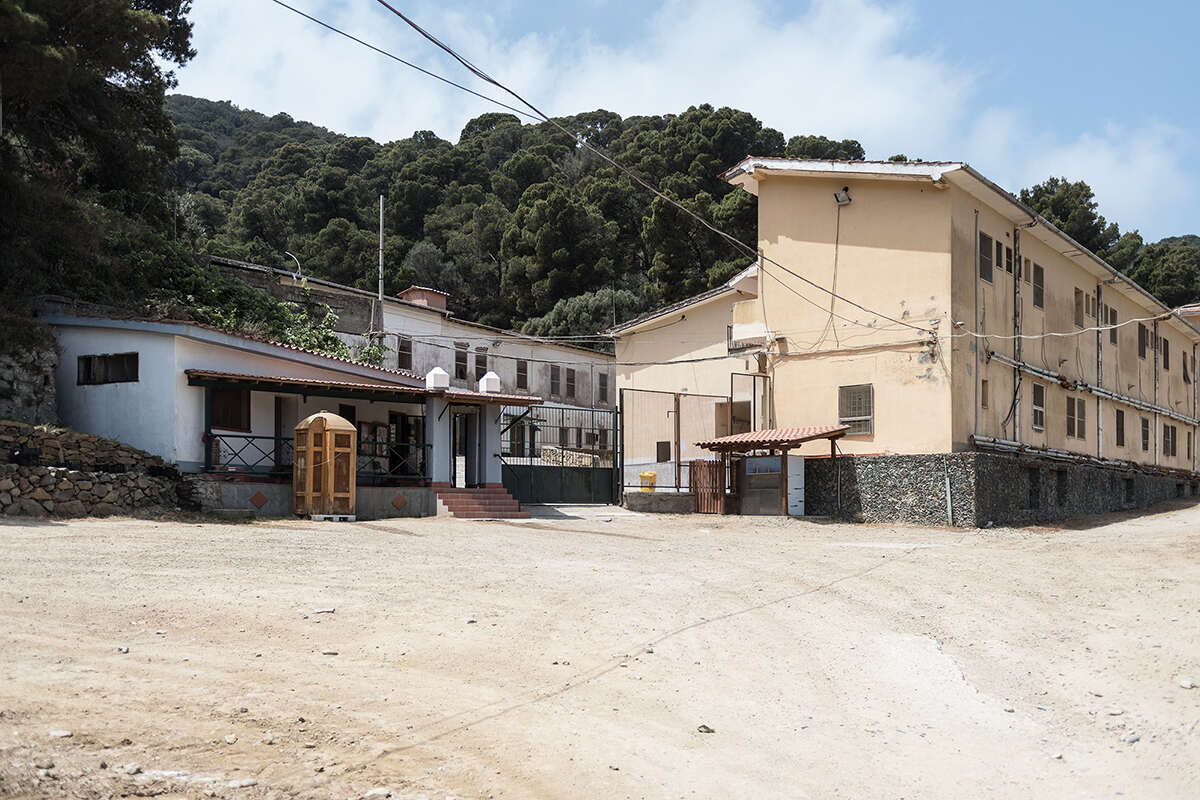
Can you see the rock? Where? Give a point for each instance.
(106, 510)
(43, 763)
(329, 652)
(6, 484)
(71, 508)
(122, 649)
(1116, 712)
(705, 729)
(1009, 710)
(378, 791)
(324, 611)
(242, 784)
(61, 734)
(1187, 683)
(231, 738)
(268, 739)
(132, 768)
(1133, 739)
(39, 494)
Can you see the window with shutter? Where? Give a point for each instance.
(856, 408)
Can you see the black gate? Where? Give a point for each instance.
(558, 454)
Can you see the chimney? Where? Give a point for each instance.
(424, 296)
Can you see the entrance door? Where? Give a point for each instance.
(465, 427)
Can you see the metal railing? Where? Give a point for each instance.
(244, 452)
(382, 461)
(378, 461)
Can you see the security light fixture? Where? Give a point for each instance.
(842, 198)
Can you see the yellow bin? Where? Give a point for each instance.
(648, 480)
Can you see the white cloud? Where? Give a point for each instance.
(842, 68)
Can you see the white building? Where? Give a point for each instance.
(225, 406)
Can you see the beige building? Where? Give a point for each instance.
(962, 321)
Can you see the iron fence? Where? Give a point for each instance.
(559, 454)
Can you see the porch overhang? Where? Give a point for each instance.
(773, 439)
(317, 387)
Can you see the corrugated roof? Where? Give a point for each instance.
(467, 396)
(307, 382)
(774, 438)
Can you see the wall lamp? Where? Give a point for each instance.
(842, 198)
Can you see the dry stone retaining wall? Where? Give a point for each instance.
(62, 447)
(62, 492)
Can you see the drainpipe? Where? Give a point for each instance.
(1100, 371)
(1017, 332)
(975, 340)
(1156, 423)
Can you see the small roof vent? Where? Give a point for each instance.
(437, 378)
(490, 383)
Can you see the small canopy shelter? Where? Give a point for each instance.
(775, 440)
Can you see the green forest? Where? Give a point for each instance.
(111, 187)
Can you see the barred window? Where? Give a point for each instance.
(856, 408)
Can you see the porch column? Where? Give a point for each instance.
(489, 437)
(437, 435)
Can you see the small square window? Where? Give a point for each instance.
(856, 408)
(663, 452)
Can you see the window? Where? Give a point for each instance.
(348, 412)
(1168, 440)
(663, 452)
(1120, 426)
(116, 368)
(480, 363)
(460, 360)
(1145, 434)
(570, 382)
(1039, 407)
(1112, 320)
(555, 379)
(999, 255)
(1143, 337)
(1165, 348)
(602, 387)
(522, 374)
(1039, 286)
(1008, 260)
(1187, 378)
(404, 352)
(231, 408)
(1078, 308)
(983, 394)
(856, 408)
(1026, 272)
(985, 257)
(1075, 417)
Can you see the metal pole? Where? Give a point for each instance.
(381, 263)
(1156, 423)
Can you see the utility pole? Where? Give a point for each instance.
(380, 298)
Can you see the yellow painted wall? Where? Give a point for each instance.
(892, 256)
(1073, 356)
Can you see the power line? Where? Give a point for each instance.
(420, 69)
(630, 173)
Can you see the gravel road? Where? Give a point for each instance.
(631, 656)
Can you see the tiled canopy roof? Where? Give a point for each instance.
(773, 439)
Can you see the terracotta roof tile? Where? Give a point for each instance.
(775, 438)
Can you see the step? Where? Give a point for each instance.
(454, 507)
(492, 515)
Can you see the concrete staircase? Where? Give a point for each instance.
(485, 502)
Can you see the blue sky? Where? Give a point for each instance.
(1094, 90)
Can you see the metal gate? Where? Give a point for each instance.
(559, 454)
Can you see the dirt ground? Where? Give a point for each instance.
(611, 657)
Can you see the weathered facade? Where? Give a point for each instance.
(962, 321)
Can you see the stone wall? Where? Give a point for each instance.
(62, 492)
(62, 447)
(909, 489)
(27, 389)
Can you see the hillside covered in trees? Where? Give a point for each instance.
(109, 187)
